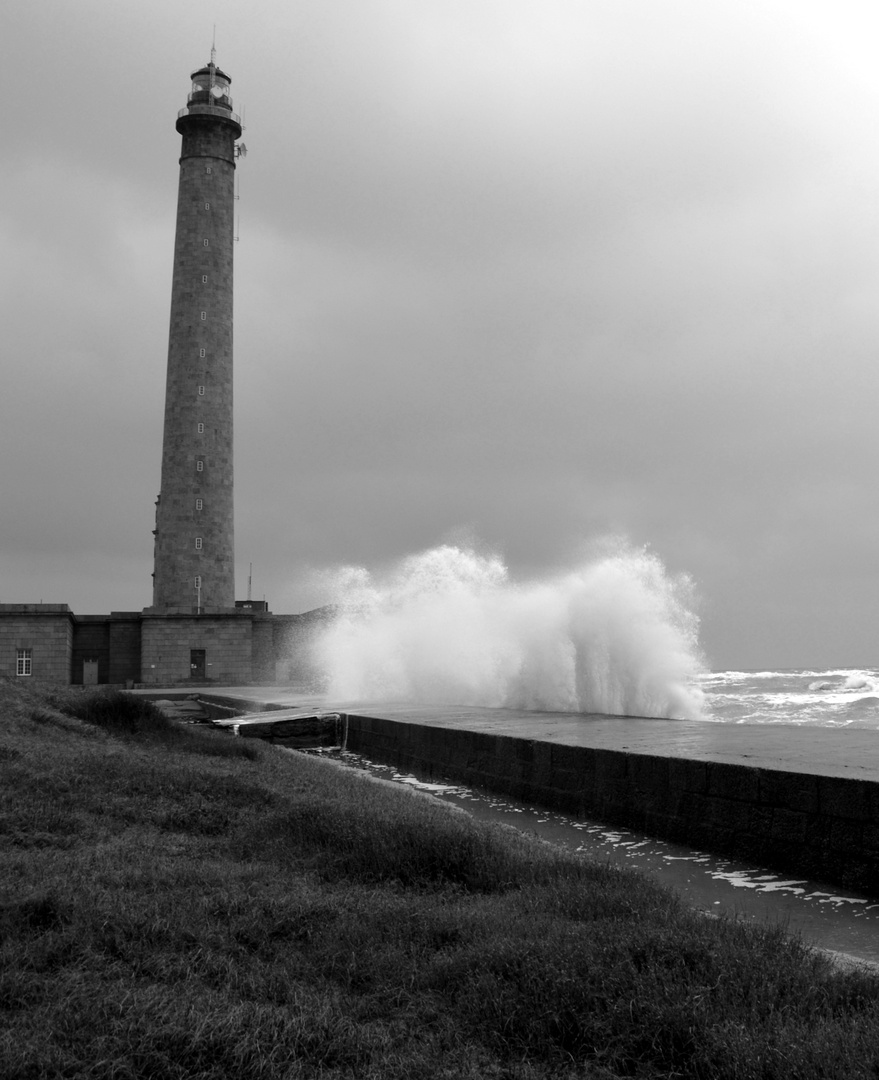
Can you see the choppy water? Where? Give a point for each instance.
(835, 698)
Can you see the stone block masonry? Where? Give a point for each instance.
(824, 827)
(124, 661)
(167, 643)
(45, 632)
(91, 645)
(194, 546)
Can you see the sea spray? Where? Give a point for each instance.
(448, 626)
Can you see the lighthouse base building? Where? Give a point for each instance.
(246, 646)
(195, 632)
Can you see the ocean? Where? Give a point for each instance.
(832, 698)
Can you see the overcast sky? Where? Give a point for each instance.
(528, 271)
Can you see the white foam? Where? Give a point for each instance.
(448, 626)
(423, 785)
(766, 883)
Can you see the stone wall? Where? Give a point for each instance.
(194, 513)
(166, 642)
(244, 645)
(824, 827)
(124, 647)
(91, 641)
(263, 653)
(45, 629)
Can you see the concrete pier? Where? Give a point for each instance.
(803, 800)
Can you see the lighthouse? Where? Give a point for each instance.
(194, 565)
(194, 633)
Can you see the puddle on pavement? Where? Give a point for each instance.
(843, 920)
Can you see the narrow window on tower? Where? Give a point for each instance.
(198, 543)
(199, 465)
(201, 352)
(199, 504)
(204, 316)
(201, 429)
(201, 391)
(23, 659)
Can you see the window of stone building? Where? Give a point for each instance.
(23, 659)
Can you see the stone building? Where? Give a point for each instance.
(195, 632)
(49, 643)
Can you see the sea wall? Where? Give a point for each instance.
(823, 827)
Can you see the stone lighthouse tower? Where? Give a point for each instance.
(194, 546)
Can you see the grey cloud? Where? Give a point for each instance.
(540, 271)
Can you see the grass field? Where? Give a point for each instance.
(178, 903)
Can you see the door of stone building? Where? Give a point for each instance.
(89, 673)
(197, 663)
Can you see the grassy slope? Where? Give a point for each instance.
(174, 903)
